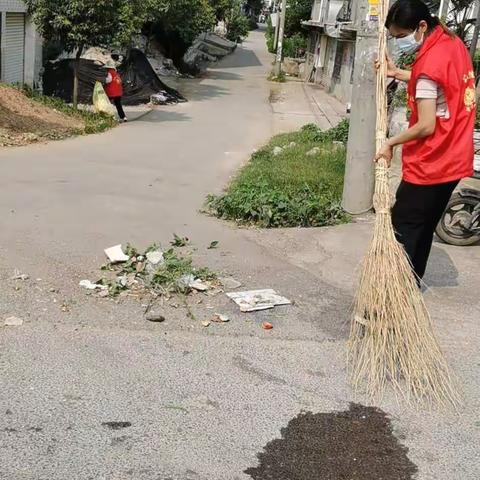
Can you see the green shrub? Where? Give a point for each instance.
(293, 46)
(405, 60)
(476, 62)
(270, 36)
(238, 26)
(298, 187)
(253, 24)
(280, 78)
(337, 134)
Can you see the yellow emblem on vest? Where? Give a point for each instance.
(469, 99)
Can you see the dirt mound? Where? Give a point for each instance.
(23, 120)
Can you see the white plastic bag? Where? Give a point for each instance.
(101, 102)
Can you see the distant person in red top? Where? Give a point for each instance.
(114, 88)
(438, 146)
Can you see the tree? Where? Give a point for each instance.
(187, 18)
(177, 23)
(255, 6)
(221, 8)
(237, 23)
(76, 24)
(297, 12)
(460, 19)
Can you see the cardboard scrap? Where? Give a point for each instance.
(115, 254)
(256, 300)
(13, 322)
(91, 286)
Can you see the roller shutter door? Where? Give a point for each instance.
(14, 48)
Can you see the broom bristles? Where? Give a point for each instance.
(392, 337)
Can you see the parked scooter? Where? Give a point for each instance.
(460, 224)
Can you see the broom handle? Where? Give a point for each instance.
(382, 106)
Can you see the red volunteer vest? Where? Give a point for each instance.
(115, 87)
(447, 155)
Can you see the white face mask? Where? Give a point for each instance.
(408, 44)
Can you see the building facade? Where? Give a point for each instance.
(20, 45)
(331, 51)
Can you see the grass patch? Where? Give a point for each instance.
(294, 181)
(94, 122)
(280, 78)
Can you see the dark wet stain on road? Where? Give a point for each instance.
(10, 430)
(116, 425)
(35, 429)
(119, 440)
(357, 444)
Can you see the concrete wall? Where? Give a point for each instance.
(340, 88)
(33, 43)
(12, 6)
(33, 54)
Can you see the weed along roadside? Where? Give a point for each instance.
(296, 180)
(94, 122)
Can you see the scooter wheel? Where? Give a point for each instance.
(453, 226)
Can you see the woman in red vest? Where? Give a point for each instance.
(438, 146)
(114, 89)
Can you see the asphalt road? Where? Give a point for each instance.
(89, 390)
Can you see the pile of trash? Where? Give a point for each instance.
(207, 49)
(155, 271)
(168, 275)
(100, 56)
(154, 52)
(140, 81)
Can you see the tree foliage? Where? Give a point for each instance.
(460, 19)
(297, 12)
(183, 19)
(238, 24)
(76, 24)
(221, 8)
(255, 6)
(79, 23)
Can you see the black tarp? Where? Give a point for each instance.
(139, 80)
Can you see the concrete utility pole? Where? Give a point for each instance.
(360, 174)
(281, 31)
(277, 28)
(476, 30)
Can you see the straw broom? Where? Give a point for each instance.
(392, 337)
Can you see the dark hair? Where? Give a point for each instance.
(408, 14)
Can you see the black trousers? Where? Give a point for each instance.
(117, 101)
(415, 215)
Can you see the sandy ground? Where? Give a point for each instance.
(24, 121)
